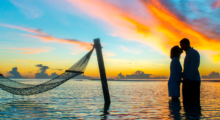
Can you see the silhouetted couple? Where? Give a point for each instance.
(191, 77)
(190, 83)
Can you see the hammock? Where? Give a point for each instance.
(17, 88)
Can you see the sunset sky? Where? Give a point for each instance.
(135, 34)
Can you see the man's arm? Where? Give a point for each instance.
(194, 65)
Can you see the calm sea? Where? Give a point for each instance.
(130, 100)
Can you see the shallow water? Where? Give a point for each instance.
(129, 100)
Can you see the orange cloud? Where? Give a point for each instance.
(30, 50)
(46, 37)
(161, 29)
(115, 16)
(175, 30)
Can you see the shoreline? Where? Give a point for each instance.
(156, 80)
(119, 80)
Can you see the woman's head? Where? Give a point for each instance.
(175, 52)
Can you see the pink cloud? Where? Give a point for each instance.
(216, 4)
(37, 31)
(160, 29)
(48, 38)
(30, 50)
(122, 19)
(108, 54)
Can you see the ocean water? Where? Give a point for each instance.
(129, 100)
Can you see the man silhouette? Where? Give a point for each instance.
(1, 75)
(191, 76)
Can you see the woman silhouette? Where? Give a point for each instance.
(175, 73)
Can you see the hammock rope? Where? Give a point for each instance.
(18, 88)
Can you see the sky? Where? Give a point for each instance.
(135, 34)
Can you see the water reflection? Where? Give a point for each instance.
(175, 107)
(31, 109)
(24, 109)
(192, 109)
(130, 100)
(105, 111)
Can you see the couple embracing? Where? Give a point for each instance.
(190, 76)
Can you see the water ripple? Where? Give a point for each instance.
(129, 100)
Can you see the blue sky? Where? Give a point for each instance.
(135, 36)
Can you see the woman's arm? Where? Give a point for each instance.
(176, 69)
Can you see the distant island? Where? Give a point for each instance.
(137, 75)
(212, 75)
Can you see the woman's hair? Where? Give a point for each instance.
(175, 52)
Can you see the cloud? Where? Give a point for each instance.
(37, 33)
(212, 75)
(43, 75)
(42, 68)
(158, 24)
(108, 54)
(27, 9)
(49, 38)
(216, 4)
(14, 73)
(125, 49)
(33, 61)
(30, 50)
(53, 75)
(42, 71)
(58, 69)
(26, 50)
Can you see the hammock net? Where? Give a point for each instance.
(18, 88)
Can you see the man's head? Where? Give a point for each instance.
(1, 75)
(185, 44)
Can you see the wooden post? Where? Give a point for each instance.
(98, 48)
